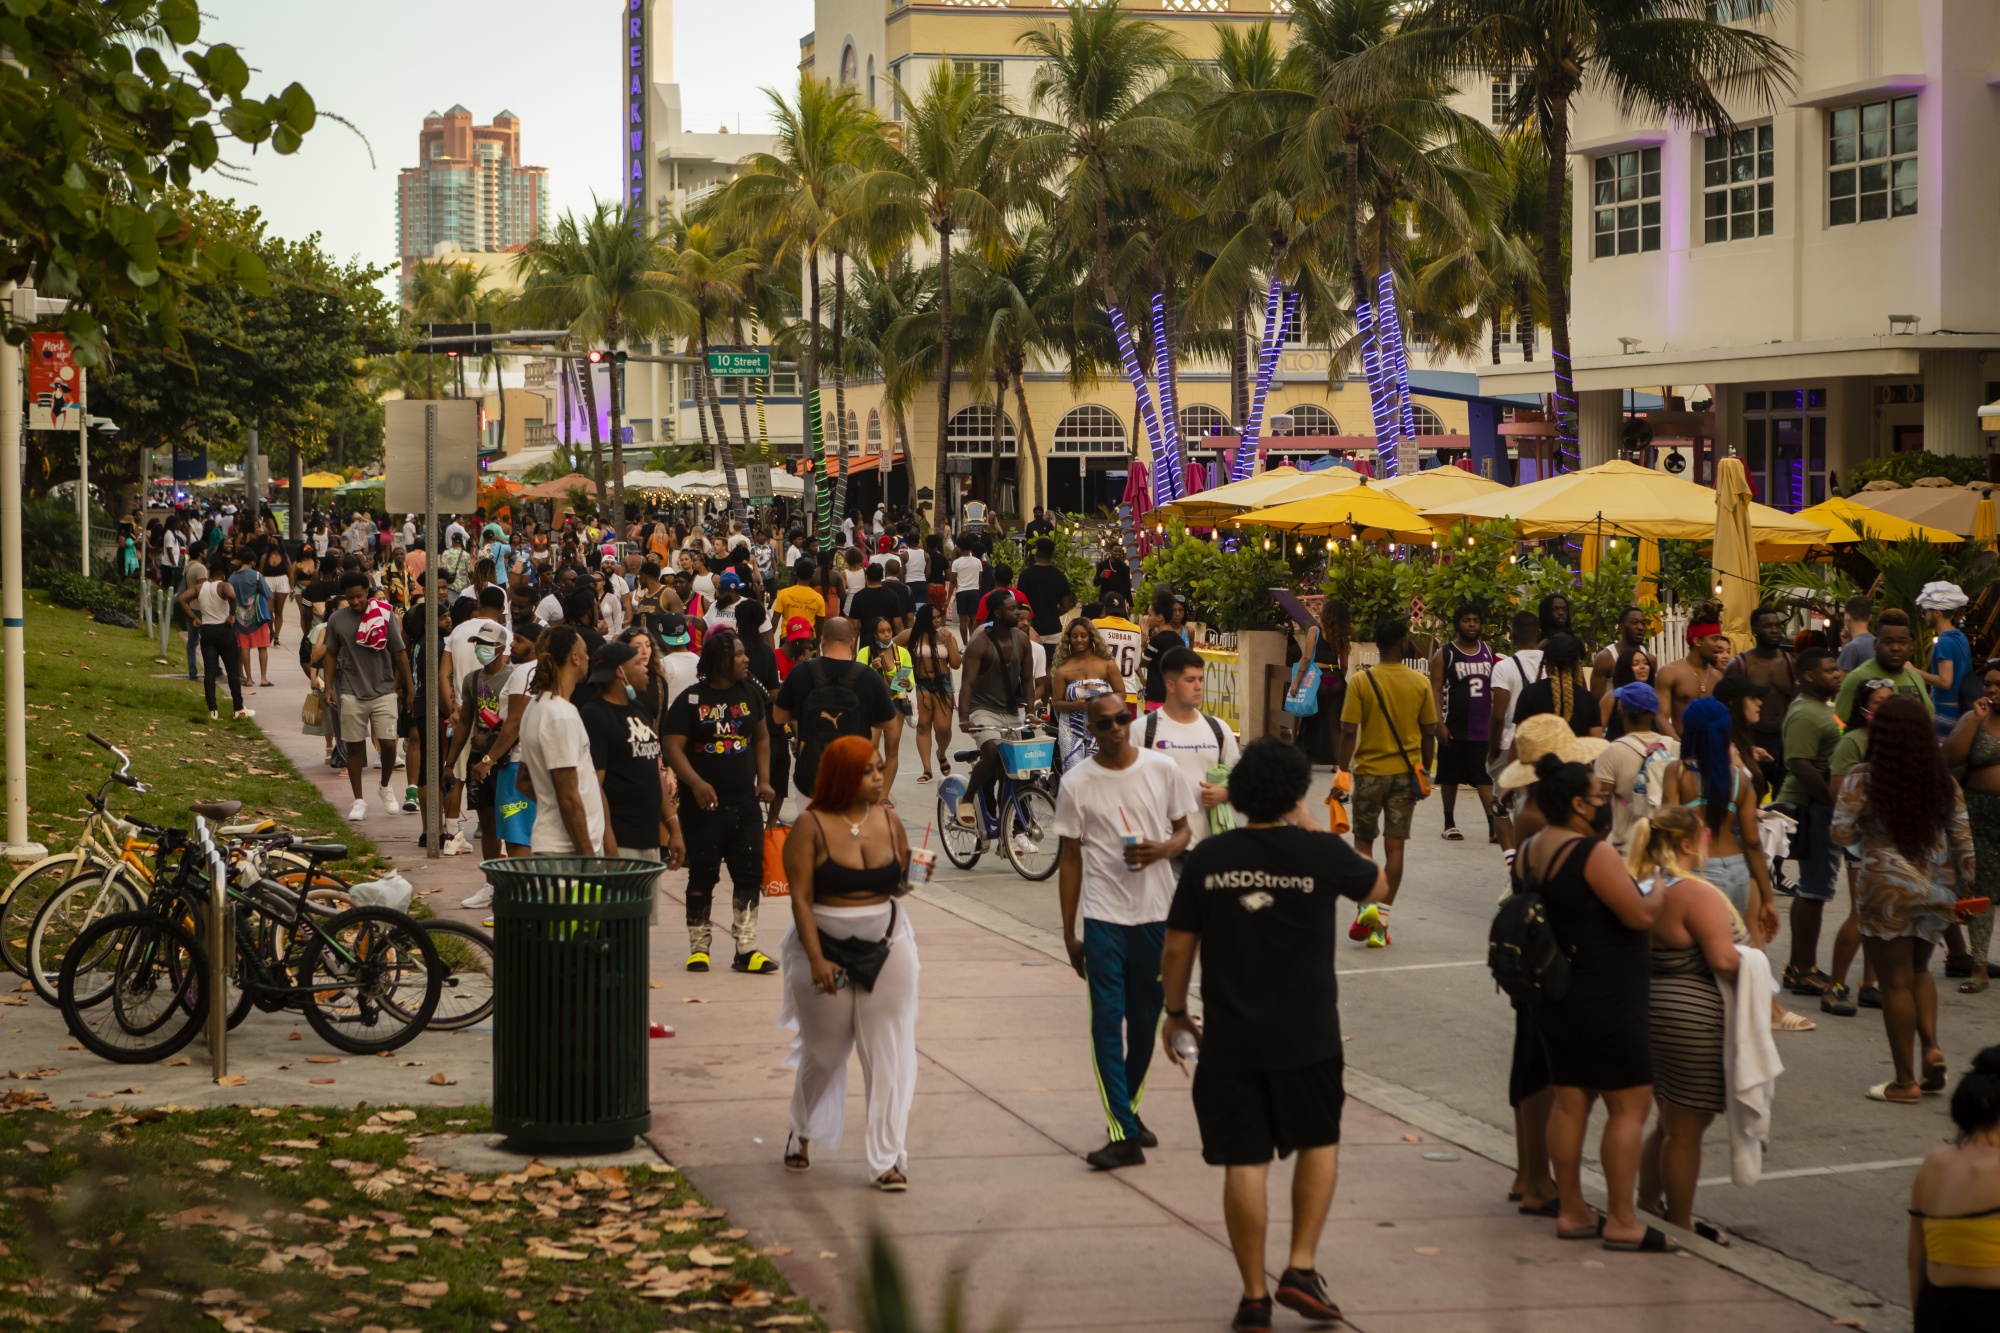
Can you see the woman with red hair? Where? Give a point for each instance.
(850, 964)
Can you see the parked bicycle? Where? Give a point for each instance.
(135, 986)
(1021, 819)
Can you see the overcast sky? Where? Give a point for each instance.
(383, 64)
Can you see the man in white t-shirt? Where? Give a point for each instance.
(1122, 818)
(1511, 676)
(1191, 738)
(555, 751)
(966, 572)
(679, 663)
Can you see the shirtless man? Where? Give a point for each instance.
(1694, 676)
(996, 687)
(1769, 663)
(1631, 634)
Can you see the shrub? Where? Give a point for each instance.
(69, 588)
(1908, 467)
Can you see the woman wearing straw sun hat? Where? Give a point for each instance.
(1530, 1091)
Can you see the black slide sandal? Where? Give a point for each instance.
(1653, 1242)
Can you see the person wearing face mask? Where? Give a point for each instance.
(491, 698)
(625, 751)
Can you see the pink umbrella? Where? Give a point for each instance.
(1139, 494)
(1197, 478)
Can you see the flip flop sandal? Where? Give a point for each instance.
(891, 1182)
(1712, 1234)
(1587, 1233)
(796, 1162)
(1653, 1242)
(1974, 986)
(1933, 1081)
(1547, 1208)
(1787, 1021)
(1880, 1093)
(1451, 834)
(925, 778)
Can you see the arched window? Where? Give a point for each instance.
(847, 64)
(871, 83)
(1312, 419)
(1428, 422)
(1199, 419)
(971, 432)
(1090, 430)
(874, 431)
(853, 427)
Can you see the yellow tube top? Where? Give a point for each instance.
(1964, 1242)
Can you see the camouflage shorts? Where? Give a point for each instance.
(1385, 800)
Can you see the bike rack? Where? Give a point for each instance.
(219, 921)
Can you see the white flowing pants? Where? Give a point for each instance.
(881, 1024)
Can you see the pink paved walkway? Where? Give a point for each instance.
(1005, 1104)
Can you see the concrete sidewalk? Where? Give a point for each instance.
(1421, 1235)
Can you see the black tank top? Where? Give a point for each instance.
(998, 688)
(833, 880)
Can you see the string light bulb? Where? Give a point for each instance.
(1267, 543)
(1298, 548)
(1513, 558)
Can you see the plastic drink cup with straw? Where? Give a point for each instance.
(923, 861)
(1131, 841)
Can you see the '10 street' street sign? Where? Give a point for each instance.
(739, 363)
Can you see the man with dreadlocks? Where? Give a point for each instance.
(1562, 689)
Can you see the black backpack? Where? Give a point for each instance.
(832, 709)
(1522, 952)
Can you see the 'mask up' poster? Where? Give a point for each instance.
(55, 383)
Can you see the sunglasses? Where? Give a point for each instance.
(1112, 722)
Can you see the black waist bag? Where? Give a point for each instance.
(863, 960)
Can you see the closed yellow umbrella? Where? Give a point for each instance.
(1276, 486)
(1735, 558)
(1621, 499)
(1985, 531)
(1648, 588)
(1358, 511)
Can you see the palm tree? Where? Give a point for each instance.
(890, 300)
(710, 279)
(1014, 309)
(1664, 58)
(942, 169)
(444, 293)
(605, 280)
(1108, 116)
(792, 196)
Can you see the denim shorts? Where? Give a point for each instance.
(1731, 874)
(1818, 858)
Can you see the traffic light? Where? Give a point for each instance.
(618, 357)
(594, 355)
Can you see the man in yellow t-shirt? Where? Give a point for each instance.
(1388, 732)
(798, 598)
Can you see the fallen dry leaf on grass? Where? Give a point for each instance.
(264, 1112)
(38, 1149)
(542, 1249)
(708, 1258)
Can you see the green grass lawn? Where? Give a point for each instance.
(295, 1219)
(83, 677)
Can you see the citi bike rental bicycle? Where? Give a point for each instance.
(1021, 819)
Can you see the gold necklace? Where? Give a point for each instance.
(854, 826)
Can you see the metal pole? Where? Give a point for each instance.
(252, 493)
(218, 953)
(11, 649)
(298, 506)
(83, 471)
(433, 778)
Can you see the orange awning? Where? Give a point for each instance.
(855, 463)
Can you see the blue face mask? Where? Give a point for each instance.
(485, 653)
(630, 693)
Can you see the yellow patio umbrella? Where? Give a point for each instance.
(1647, 588)
(1621, 499)
(1845, 521)
(322, 481)
(1438, 486)
(1276, 486)
(1358, 511)
(1985, 530)
(1735, 557)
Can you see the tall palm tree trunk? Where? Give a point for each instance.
(938, 507)
(1170, 394)
(700, 369)
(999, 443)
(596, 437)
(1526, 319)
(840, 382)
(612, 379)
(1239, 379)
(1555, 136)
(724, 459)
(815, 426)
(1031, 449)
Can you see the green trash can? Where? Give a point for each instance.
(569, 1020)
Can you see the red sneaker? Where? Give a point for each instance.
(1365, 922)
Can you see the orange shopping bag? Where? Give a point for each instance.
(775, 883)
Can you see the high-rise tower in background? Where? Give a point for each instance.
(469, 188)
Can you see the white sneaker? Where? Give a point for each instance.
(214, 715)
(479, 897)
(358, 811)
(391, 802)
(246, 712)
(459, 845)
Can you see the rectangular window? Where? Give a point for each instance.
(1505, 87)
(1626, 203)
(1737, 186)
(1727, 11)
(1784, 446)
(987, 70)
(1872, 162)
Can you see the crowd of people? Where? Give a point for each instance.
(660, 691)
